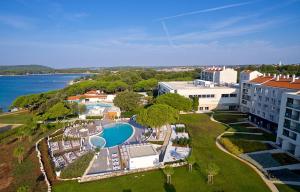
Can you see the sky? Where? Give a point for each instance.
(103, 33)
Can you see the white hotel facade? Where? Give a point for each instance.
(272, 101)
(216, 89)
(288, 134)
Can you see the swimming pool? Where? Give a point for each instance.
(97, 141)
(113, 134)
(95, 105)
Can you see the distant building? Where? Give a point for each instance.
(210, 96)
(219, 75)
(93, 96)
(261, 98)
(288, 135)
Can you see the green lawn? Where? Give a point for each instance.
(287, 188)
(230, 117)
(234, 175)
(238, 146)
(264, 137)
(243, 127)
(19, 118)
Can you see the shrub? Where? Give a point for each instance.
(47, 162)
(77, 168)
(230, 146)
(94, 117)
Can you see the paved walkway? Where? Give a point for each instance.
(270, 184)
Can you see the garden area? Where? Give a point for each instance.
(239, 146)
(203, 133)
(229, 117)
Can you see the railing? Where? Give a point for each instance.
(295, 106)
(294, 117)
(295, 128)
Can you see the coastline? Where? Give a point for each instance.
(41, 74)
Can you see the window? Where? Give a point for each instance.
(201, 108)
(233, 95)
(206, 108)
(212, 96)
(225, 95)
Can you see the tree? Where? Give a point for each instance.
(195, 103)
(19, 153)
(82, 108)
(58, 110)
(168, 171)
(157, 115)
(146, 85)
(128, 100)
(191, 161)
(176, 101)
(211, 170)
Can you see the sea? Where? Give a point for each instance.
(13, 86)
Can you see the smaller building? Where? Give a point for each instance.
(288, 134)
(211, 96)
(140, 156)
(93, 96)
(219, 75)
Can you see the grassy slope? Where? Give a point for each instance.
(234, 175)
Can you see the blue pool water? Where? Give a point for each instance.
(91, 106)
(97, 141)
(114, 134)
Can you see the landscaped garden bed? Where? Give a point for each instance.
(263, 137)
(77, 168)
(238, 146)
(230, 117)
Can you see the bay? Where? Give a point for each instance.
(13, 86)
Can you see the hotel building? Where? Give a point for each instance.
(261, 98)
(211, 96)
(288, 134)
(219, 75)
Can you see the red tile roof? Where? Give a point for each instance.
(261, 79)
(281, 83)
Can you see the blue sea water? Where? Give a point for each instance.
(13, 86)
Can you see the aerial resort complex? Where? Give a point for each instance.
(184, 130)
(122, 145)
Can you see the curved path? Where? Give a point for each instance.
(270, 184)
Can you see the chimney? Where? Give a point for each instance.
(264, 74)
(277, 77)
(293, 78)
(274, 76)
(269, 74)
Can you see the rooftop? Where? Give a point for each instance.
(281, 82)
(175, 85)
(141, 151)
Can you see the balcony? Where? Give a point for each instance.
(291, 105)
(295, 128)
(294, 117)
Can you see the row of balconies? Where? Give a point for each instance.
(291, 116)
(295, 128)
(291, 105)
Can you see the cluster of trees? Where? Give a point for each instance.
(107, 81)
(283, 69)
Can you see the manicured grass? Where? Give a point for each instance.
(263, 137)
(230, 117)
(287, 188)
(19, 118)
(238, 146)
(233, 176)
(77, 168)
(243, 127)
